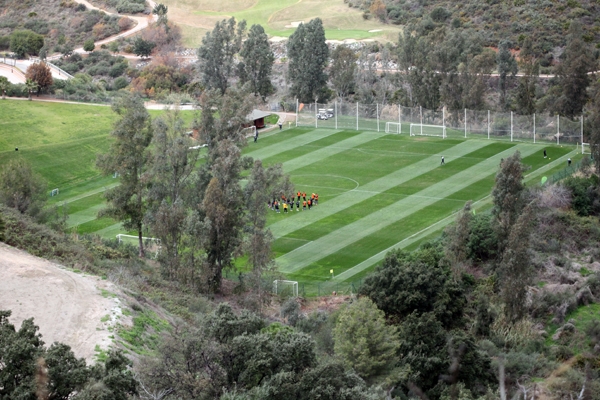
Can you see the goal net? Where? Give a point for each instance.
(585, 148)
(249, 131)
(150, 243)
(285, 288)
(393, 127)
(427, 130)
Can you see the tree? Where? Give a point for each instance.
(4, 85)
(23, 42)
(506, 66)
(342, 70)
(40, 73)
(415, 283)
(172, 163)
(516, 272)
(577, 61)
(363, 340)
(216, 54)
(525, 97)
(66, 373)
(594, 122)
(309, 55)
(128, 157)
(458, 237)
(160, 10)
(257, 62)
(143, 48)
(508, 196)
(31, 86)
(21, 188)
(89, 45)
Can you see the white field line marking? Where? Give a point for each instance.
(395, 178)
(443, 222)
(345, 236)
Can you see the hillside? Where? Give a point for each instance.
(544, 22)
(60, 22)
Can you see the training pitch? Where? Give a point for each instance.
(377, 191)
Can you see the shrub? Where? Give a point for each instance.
(120, 83)
(25, 42)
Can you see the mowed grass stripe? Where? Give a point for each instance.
(336, 240)
(300, 151)
(329, 151)
(415, 237)
(394, 194)
(298, 140)
(350, 198)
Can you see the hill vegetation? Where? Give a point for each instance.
(63, 24)
(545, 23)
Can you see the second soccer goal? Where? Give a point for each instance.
(428, 130)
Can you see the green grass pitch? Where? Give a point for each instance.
(377, 191)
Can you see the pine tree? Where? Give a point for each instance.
(309, 55)
(257, 62)
(573, 75)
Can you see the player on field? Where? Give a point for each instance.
(276, 206)
(309, 203)
(298, 204)
(442, 163)
(304, 196)
(316, 198)
(304, 205)
(299, 196)
(285, 208)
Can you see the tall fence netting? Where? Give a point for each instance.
(463, 123)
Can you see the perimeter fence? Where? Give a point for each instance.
(457, 123)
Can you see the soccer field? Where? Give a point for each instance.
(379, 191)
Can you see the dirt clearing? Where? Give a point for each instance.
(69, 307)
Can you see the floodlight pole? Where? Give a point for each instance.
(400, 118)
(296, 112)
(377, 110)
(581, 128)
(444, 122)
(357, 115)
(421, 114)
(316, 114)
(465, 123)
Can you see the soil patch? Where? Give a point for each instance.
(69, 307)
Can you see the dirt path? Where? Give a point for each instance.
(68, 307)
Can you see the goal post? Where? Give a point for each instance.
(393, 127)
(585, 148)
(284, 287)
(428, 130)
(54, 192)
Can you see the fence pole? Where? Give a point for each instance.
(316, 115)
(511, 126)
(377, 109)
(296, 113)
(335, 106)
(421, 114)
(581, 128)
(444, 122)
(465, 123)
(558, 129)
(533, 128)
(399, 118)
(357, 115)
(488, 124)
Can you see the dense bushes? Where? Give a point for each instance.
(99, 65)
(585, 194)
(23, 42)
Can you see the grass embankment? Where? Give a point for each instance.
(278, 17)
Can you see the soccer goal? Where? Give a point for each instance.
(152, 244)
(393, 127)
(249, 131)
(585, 148)
(54, 192)
(285, 288)
(428, 130)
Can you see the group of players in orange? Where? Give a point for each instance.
(287, 203)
